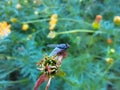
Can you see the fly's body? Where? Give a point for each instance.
(59, 49)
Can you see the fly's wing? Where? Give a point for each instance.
(52, 45)
(55, 51)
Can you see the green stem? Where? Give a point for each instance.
(91, 41)
(75, 31)
(14, 82)
(108, 68)
(61, 19)
(34, 21)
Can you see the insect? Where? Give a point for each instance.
(50, 65)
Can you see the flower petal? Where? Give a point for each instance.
(40, 80)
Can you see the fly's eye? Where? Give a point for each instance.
(67, 45)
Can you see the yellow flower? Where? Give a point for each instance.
(53, 21)
(25, 27)
(14, 20)
(109, 60)
(52, 26)
(18, 6)
(54, 16)
(51, 34)
(4, 29)
(96, 25)
(116, 20)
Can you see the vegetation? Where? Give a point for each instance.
(90, 27)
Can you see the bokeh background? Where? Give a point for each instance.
(91, 27)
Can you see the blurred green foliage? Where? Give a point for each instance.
(85, 66)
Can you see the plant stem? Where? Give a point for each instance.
(14, 82)
(75, 31)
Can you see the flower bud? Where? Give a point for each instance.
(51, 34)
(109, 60)
(98, 18)
(25, 27)
(96, 25)
(112, 50)
(14, 20)
(116, 20)
(18, 6)
(109, 41)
